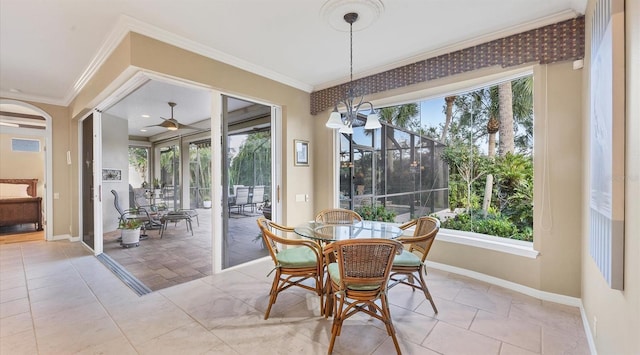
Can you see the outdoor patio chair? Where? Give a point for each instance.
(241, 199)
(338, 216)
(301, 260)
(410, 263)
(142, 203)
(257, 197)
(141, 215)
(357, 279)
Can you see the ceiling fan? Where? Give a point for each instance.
(171, 123)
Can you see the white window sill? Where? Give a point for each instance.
(504, 245)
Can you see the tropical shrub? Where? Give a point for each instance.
(494, 224)
(376, 212)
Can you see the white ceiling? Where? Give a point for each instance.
(48, 49)
(147, 105)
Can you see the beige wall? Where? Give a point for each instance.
(617, 312)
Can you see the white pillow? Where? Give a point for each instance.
(13, 190)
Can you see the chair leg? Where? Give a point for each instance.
(336, 326)
(386, 314)
(427, 294)
(163, 226)
(273, 294)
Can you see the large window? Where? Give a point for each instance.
(466, 158)
(489, 137)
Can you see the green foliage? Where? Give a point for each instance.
(138, 159)
(200, 166)
(376, 212)
(495, 224)
(466, 167)
(514, 179)
(129, 224)
(405, 116)
(252, 165)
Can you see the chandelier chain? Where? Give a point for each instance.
(351, 53)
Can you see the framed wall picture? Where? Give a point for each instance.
(301, 149)
(111, 175)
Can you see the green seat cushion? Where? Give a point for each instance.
(334, 273)
(406, 259)
(297, 257)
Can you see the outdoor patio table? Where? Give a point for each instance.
(328, 233)
(175, 216)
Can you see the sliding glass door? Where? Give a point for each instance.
(247, 179)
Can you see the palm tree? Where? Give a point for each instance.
(505, 103)
(404, 116)
(449, 100)
(523, 112)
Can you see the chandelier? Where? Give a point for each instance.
(354, 102)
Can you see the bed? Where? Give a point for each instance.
(19, 203)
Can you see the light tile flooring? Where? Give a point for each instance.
(56, 298)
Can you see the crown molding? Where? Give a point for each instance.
(32, 98)
(524, 27)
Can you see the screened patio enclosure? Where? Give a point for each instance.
(393, 167)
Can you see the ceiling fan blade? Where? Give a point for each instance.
(180, 126)
(154, 125)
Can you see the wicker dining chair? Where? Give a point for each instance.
(338, 216)
(357, 279)
(410, 263)
(301, 260)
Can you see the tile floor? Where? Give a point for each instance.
(181, 257)
(56, 298)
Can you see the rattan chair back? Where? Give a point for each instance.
(423, 237)
(338, 216)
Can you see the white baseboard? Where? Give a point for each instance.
(65, 237)
(587, 329)
(542, 295)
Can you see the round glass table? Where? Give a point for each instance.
(331, 232)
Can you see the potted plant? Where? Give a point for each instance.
(266, 208)
(130, 232)
(206, 202)
(157, 190)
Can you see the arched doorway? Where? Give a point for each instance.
(25, 120)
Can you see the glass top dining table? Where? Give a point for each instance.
(332, 232)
